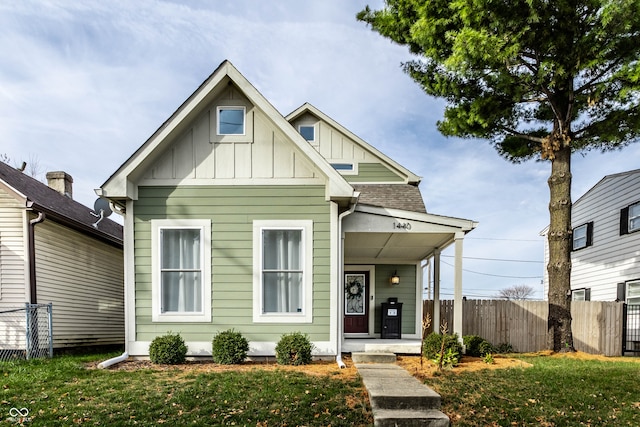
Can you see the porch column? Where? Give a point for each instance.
(436, 292)
(457, 286)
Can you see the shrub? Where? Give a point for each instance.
(229, 347)
(294, 349)
(503, 348)
(168, 349)
(433, 344)
(477, 346)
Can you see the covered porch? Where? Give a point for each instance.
(385, 252)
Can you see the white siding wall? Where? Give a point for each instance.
(83, 278)
(612, 258)
(13, 267)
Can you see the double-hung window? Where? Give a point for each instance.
(633, 292)
(583, 236)
(282, 271)
(630, 219)
(181, 270)
(308, 132)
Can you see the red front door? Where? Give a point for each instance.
(356, 302)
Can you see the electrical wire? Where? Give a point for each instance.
(494, 259)
(496, 275)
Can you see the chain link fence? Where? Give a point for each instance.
(26, 332)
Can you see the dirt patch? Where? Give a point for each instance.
(466, 364)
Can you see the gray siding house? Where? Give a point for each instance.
(606, 241)
(238, 217)
(50, 252)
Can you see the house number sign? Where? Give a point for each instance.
(402, 225)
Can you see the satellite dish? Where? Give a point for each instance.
(102, 210)
(102, 205)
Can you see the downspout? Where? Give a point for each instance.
(33, 295)
(340, 323)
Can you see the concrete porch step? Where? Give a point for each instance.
(409, 418)
(398, 399)
(373, 357)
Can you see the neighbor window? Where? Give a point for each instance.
(630, 219)
(181, 271)
(231, 120)
(634, 217)
(583, 294)
(308, 132)
(282, 266)
(582, 236)
(633, 292)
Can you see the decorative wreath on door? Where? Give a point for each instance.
(355, 287)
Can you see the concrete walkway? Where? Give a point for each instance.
(397, 398)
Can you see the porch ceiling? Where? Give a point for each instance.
(393, 246)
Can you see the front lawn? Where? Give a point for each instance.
(66, 391)
(558, 390)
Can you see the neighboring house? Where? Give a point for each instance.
(50, 252)
(606, 241)
(237, 217)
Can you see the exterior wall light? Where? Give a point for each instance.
(395, 279)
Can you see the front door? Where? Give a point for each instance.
(356, 302)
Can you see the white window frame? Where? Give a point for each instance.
(634, 218)
(157, 225)
(575, 245)
(235, 108)
(311, 141)
(579, 294)
(634, 299)
(306, 315)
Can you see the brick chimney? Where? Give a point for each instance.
(61, 182)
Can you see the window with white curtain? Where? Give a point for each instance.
(181, 276)
(282, 271)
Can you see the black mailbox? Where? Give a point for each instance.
(391, 321)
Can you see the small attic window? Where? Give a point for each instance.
(231, 120)
(308, 132)
(345, 167)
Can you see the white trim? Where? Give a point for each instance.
(256, 348)
(334, 276)
(130, 319)
(306, 316)
(204, 225)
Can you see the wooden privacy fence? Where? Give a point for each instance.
(596, 325)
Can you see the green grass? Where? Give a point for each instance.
(62, 392)
(556, 391)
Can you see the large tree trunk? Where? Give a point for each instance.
(560, 243)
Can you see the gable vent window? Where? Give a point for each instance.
(308, 132)
(583, 236)
(231, 120)
(342, 166)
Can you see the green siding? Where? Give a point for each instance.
(373, 172)
(232, 210)
(405, 292)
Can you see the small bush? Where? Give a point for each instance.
(433, 344)
(229, 347)
(477, 346)
(168, 349)
(448, 359)
(504, 348)
(294, 349)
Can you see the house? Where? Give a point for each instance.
(606, 241)
(51, 252)
(237, 217)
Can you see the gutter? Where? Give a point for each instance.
(33, 295)
(340, 323)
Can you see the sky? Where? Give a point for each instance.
(84, 83)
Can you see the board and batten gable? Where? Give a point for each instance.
(232, 211)
(338, 148)
(199, 153)
(612, 258)
(13, 265)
